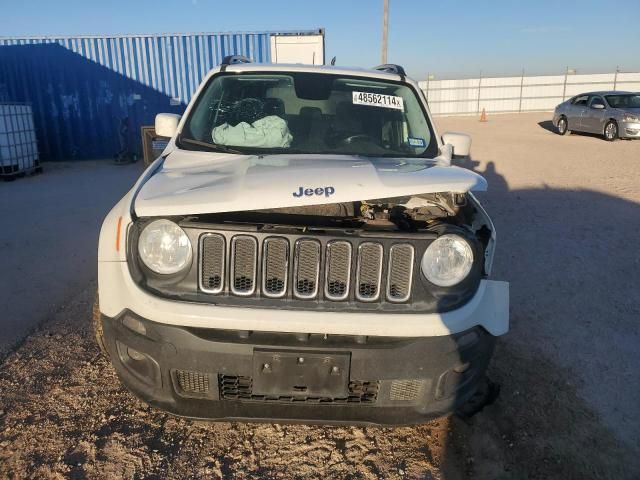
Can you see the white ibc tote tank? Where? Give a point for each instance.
(18, 145)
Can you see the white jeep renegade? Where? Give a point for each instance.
(302, 251)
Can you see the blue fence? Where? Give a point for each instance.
(91, 95)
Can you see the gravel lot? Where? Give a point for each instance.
(567, 211)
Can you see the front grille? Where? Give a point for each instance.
(240, 388)
(303, 269)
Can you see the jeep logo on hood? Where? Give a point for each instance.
(308, 192)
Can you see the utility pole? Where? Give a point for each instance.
(385, 30)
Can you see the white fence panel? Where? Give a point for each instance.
(539, 91)
(629, 77)
(470, 96)
(592, 78)
(500, 93)
(544, 80)
(539, 104)
(501, 81)
(499, 105)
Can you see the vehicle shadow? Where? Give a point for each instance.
(571, 259)
(554, 248)
(548, 125)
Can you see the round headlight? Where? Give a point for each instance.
(164, 247)
(447, 261)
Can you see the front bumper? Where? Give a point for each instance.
(488, 308)
(629, 130)
(211, 373)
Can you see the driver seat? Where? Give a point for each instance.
(346, 123)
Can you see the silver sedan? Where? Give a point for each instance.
(612, 114)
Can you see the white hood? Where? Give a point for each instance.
(191, 183)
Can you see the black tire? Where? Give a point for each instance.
(563, 126)
(96, 323)
(611, 131)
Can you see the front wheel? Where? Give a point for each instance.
(611, 131)
(563, 126)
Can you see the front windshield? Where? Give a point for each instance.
(308, 113)
(624, 101)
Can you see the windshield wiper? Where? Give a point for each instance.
(214, 147)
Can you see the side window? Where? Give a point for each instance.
(596, 101)
(581, 101)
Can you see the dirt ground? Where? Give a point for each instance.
(69, 203)
(566, 210)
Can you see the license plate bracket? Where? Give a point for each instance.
(301, 373)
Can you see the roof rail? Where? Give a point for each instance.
(233, 60)
(392, 68)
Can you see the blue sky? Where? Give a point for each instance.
(446, 38)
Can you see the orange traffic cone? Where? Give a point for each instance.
(483, 115)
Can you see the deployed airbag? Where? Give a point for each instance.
(268, 132)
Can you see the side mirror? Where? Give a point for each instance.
(460, 143)
(167, 124)
(598, 106)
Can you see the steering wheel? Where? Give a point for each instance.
(351, 139)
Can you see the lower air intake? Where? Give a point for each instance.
(240, 388)
(192, 382)
(406, 390)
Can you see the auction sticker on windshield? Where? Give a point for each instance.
(378, 100)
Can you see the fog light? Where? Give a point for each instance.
(135, 325)
(141, 365)
(136, 355)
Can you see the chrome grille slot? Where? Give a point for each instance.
(244, 253)
(306, 268)
(369, 271)
(338, 270)
(400, 272)
(212, 258)
(275, 267)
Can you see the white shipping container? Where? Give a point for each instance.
(18, 145)
(306, 49)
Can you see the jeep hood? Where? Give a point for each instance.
(190, 183)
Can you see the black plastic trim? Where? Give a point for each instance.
(425, 297)
(434, 362)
